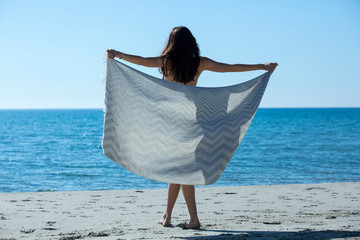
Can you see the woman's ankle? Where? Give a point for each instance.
(167, 215)
(194, 220)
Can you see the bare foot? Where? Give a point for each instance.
(165, 221)
(193, 224)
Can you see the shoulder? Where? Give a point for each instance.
(204, 59)
(204, 62)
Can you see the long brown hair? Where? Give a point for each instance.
(181, 56)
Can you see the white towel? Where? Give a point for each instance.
(171, 132)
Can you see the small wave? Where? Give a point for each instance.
(74, 174)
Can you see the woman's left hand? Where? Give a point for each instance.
(111, 53)
(269, 66)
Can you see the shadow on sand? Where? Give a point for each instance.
(272, 235)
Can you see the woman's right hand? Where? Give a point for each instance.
(111, 53)
(269, 66)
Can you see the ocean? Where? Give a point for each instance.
(60, 150)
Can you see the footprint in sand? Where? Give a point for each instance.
(27, 230)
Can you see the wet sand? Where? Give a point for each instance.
(304, 211)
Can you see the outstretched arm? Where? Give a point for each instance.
(144, 61)
(211, 65)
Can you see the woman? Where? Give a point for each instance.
(180, 62)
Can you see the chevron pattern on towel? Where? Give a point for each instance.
(171, 132)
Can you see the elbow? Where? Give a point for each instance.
(229, 68)
(142, 62)
(146, 62)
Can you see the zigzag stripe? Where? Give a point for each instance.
(174, 133)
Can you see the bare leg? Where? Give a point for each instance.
(173, 192)
(189, 195)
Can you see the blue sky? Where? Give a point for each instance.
(52, 52)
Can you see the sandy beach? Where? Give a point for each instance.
(304, 211)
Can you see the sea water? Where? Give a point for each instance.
(60, 150)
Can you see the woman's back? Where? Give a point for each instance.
(191, 82)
